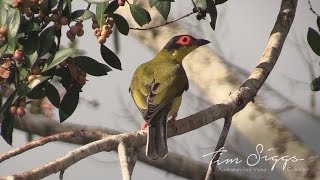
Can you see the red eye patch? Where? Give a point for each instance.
(184, 40)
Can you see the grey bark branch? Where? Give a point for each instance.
(174, 163)
(127, 158)
(45, 140)
(210, 175)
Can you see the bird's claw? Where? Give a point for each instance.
(173, 122)
(144, 126)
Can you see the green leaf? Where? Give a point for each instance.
(13, 23)
(109, 57)
(31, 46)
(7, 119)
(29, 26)
(7, 128)
(315, 84)
(313, 38)
(69, 103)
(217, 2)
(3, 48)
(5, 107)
(60, 56)
(91, 66)
(100, 13)
(112, 7)
(212, 10)
(47, 5)
(121, 24)
(27, 88)
(152, 2)
(140, 15)
(52, 94)
(67, 9)
(202, 4)
(46, 40)
(82, 15)
(97, 1)
(3, 14)
(164, 8)
(37, 92)
(30, 43)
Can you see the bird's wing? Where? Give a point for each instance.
(155, 86)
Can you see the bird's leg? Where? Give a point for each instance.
(144, 126)
(173, 121)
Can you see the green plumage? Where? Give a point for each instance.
(156, 89)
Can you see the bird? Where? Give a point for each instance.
(156, 88)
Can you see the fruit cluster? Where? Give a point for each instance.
(102, 33)
(201, 13)
(18, 108)
(75, 30)
(3, 34)
(18, 56)
(27, 6)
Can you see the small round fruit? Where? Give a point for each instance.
(199, 17)
(74, 29)
(95, 25)
(80, 33)
(101, 39)
(21, 112)
(3, 31)
(13, 110)
(55, 17)
(35, 70)
(121, 2)
(70, 35)
(47, 19)
(110, 22)
(79, 25)
(97, 32)
(64, 20)
(105, 33)
(18, 55)
(31, 78)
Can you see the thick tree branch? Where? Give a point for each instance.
(174, 163)
(57, 137)
(250, 88)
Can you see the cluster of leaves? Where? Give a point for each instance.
(313, 38)
(36, 32)
(40, 43)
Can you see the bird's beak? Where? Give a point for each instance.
(200, 42)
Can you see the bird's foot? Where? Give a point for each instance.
(144, 126)
(173, 122)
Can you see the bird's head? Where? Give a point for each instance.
(182, 45)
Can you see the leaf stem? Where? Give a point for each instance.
(312, 10)
(169, 22)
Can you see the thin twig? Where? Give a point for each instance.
(220, 144)
(45, 140)
(311, 9)
(88, 7)
(127, 158)
(61, 175)
(169, 22)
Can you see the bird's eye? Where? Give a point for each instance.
(184, 40)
